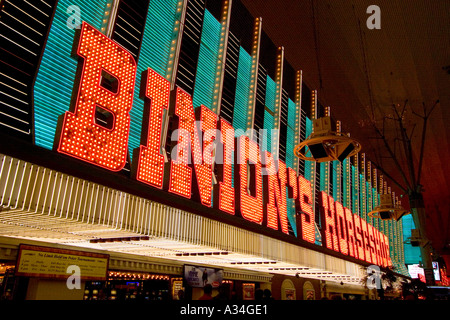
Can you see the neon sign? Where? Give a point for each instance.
(262, 183)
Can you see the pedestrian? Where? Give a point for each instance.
(267, 295)
(224, 292)
(207, 293)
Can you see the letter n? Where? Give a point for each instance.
(275, 192)
(248, 179)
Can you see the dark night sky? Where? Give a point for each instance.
(356, 70)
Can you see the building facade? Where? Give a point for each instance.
(144, 144)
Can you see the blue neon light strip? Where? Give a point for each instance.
(268, 116)
(334, 178)
(308, 164)
(54, 82)
(290, 134)
(207, 62)
(355, 191)
(242, 90)
(345, 176)
(363, 198)
(323, 181)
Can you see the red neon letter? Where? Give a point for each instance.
(372, 242)
(387, 250)
(342, 227)
(188, 143)
(275, 193)
(292, 184)
(249, 180)
(329, 231)
(383, 253)
(365, 233)
(359, 238)
(307, 218)
(150, 162)
(381, 261)
(105, 87)
(351, 233)
(224, 191)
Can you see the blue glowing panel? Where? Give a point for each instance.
(242, 90)
(58, 68)
(207, 62)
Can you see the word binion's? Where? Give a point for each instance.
(105, 86)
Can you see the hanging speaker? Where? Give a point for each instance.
(318, 151)
(346, 152)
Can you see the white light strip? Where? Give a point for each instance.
(23, 23)
(24, 93)
(26, 13)
(10, 116)
(6, 76)
(14, 128)
(125, 39)
(36, 8)
(18, 45)
(12, 107)
(129, 25)
(45, 3)
(118, 25)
